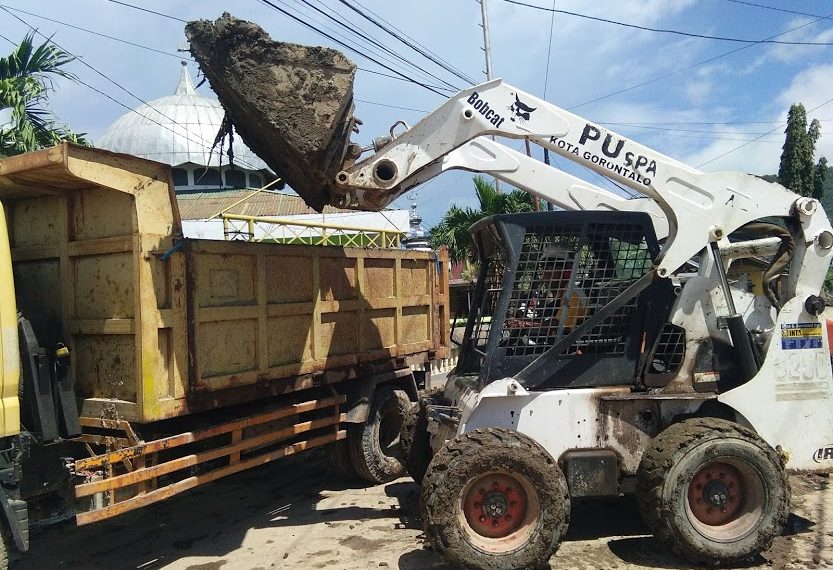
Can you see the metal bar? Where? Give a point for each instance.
(133, 477)
(190, 437)
(196, 480)
(536, 368)
(724, 280)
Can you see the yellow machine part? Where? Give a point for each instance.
(9, 348)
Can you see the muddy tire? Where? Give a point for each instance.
(493, 498)
(713, 491)
(374, 447)
(415, 439)
(338, 457)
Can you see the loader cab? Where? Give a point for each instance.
(541, 275)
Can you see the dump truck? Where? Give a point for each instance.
(137, 364)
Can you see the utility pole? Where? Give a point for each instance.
(487, 50)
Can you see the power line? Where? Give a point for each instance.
(358, 32)
(373, 71)
(668, 31)
(653, 128)
(392, 106)
(779, 127)
(203, 143)
(778, 9)
(688, 68)
(348, 47)
(549, 51)
(425, 53)
(149, 11)
(169, 54)
(452, 69)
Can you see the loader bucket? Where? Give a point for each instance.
(291, 104)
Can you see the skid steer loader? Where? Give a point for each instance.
(676, 347)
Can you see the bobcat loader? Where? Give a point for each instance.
(675, 347)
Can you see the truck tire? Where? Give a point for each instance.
(338, 456)
(415, 439)
(493, 498)
(713, 491)
(374, 446)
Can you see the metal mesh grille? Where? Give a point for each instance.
(669, 350)
(492, 282)
(564, 275)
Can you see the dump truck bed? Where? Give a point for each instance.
(160, 327)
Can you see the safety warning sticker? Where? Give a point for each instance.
(800, 335)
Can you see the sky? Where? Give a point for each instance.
(691, 98)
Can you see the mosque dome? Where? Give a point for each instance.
(179, 130)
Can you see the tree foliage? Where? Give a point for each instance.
(453, 229)
(797, 170)
(26, 80)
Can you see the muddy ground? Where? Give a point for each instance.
(295, 514)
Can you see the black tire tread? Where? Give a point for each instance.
(414, 437)
(464, 445)
(658, 460)
(365, 454)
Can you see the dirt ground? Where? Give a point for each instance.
(296, 514)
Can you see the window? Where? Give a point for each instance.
(180, 176)
(235, 178)
(207, 177)
(255, 181)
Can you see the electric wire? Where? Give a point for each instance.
(450, 67)
(688, 68)
(423, 52)
(779, 127)
(349, 47)
(358, 32)
(204, 143)
(669, 31)
(149, 11)
(773, 8)
(68, 25)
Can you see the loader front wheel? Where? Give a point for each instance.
(712, 490)
(415, 439)
(494, 498)
(374, 446)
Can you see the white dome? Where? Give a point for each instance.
(176, 129)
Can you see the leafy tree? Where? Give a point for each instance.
(797, 171)
(820, 173)
(26, 80)
(453, 228)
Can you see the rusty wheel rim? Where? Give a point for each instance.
(498, 511)
(725, 500)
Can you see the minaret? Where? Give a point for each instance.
(416, 237)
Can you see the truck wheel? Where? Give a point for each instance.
(374, 446)
(494, 498)
(338, 456)
(712, 490)
(415, 439)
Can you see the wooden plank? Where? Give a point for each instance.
(120, 481)
(102, 326)
(116, 244)
(196, 480)
(190, 437)
(234, 313)
(35, 253)
(262, 313)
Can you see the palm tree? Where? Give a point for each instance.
(453, 229)
(25, 83)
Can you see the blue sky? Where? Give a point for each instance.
(693, 114)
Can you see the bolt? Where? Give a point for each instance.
(508, 517)
(732, 499)
(482, 491)
(513, 503)
(710, 510)
(482, 518)
(722, 475)
(495, 485)
(708, 476)
(722, 509)
(476, 505)
(495, 522)
(731, 484)
(508, 490)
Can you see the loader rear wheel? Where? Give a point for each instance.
(415, 439)
(712, 490)
(494, 498)
(375, 451)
